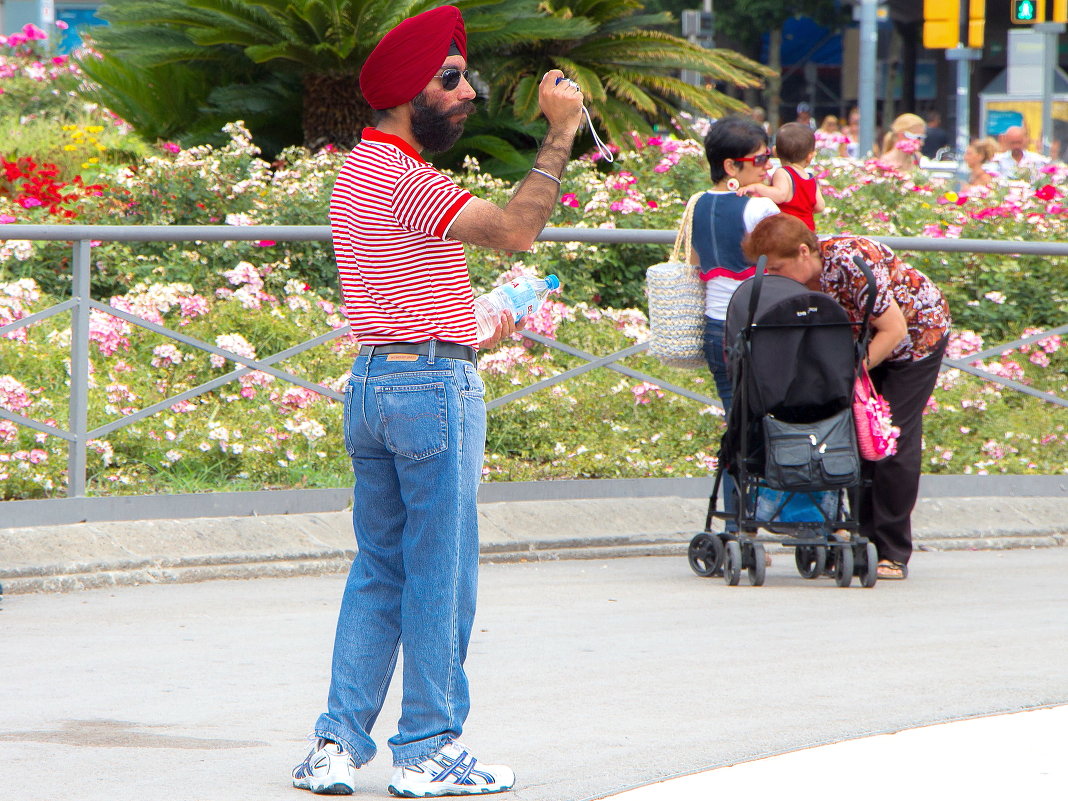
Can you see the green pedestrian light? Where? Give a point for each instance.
(1028, 12)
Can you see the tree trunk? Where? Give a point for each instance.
(775, 82)
(334, 110)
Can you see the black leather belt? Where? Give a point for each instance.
(442, 350)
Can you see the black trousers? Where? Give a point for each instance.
(885, 509)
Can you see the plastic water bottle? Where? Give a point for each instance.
(521, 297)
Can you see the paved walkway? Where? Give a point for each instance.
(591, 677)
(86, 555)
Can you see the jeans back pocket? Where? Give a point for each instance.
(414, 419)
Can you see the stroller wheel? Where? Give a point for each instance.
(757, 565)
(867, 564)
(843, 568)
(732, 566)
(811, 560)
(705, 555)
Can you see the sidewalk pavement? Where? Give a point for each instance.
(591, 678)
(87, 555)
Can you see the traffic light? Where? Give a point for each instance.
(941, 23)
(977, 22)
(1028, 12)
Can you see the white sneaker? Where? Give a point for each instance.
(327, 770)
(451, 771)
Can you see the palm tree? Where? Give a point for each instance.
(626, 67)
(265, 58)
(318, 46)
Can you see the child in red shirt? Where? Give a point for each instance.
(794, 189)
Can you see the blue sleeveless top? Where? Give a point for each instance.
(718, 230)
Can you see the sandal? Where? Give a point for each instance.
(889, 570)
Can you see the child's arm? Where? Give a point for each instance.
(821, 204)
(780, 191)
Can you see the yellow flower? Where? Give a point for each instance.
(100, 147)
(926, 205)
(952, 197)
(93, 160)
(69, 147)
(95, 128)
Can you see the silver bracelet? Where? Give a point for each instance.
(548, 175)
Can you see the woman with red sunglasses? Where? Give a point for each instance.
(738, 154)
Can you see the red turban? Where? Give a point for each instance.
(402, 64)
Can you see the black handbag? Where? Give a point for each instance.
(808, 457)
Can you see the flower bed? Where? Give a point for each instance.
(258, 298)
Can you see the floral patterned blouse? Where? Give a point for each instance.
(923, 304)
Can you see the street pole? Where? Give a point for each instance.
(963, 56)
(869, 51)
(1050, 31)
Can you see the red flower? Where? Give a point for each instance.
(1047, 192)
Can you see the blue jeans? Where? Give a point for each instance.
(717, 363)
(415, 428)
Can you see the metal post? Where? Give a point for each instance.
(869, 51)
(963, 56)
(1050, 31)
(79, 370)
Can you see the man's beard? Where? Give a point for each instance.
(432, 127)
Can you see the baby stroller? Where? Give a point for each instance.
(790, 444)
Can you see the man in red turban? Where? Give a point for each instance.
(415, 414)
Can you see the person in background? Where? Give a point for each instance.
(851, 130)
(902, 143)
(804, 115)
(760, 116)
(937, 137)
(911, 323)
(794, 189)
(738, 154)
(978, 157)
(830, 141)
(1016, 161)
(415, 412)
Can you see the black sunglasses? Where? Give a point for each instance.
(758, 161)
(450, 78)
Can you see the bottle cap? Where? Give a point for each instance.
(552, 282)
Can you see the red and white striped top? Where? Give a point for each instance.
(401, 280)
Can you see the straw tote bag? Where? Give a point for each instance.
(677, 302)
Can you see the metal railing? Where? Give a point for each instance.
(81, 304)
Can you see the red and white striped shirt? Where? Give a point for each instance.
(401, 280)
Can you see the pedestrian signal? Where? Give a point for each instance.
(1028, 12)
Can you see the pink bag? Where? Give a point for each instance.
(876, 433)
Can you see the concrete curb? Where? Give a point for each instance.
(90, 555)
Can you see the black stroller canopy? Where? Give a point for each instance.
(797, 355)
